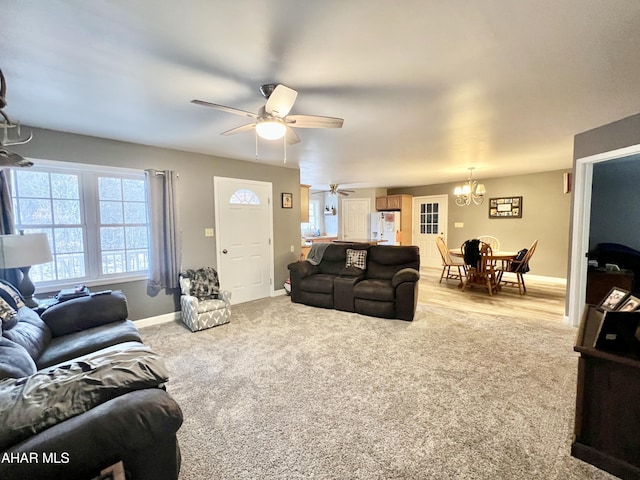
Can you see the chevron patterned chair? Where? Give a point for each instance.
(202, 302)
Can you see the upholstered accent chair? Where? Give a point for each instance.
(203, 304)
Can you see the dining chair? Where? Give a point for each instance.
(448, 261)
(493, 241)
(517, 267)
(483, 272)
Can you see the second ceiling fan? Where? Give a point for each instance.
(273, 120)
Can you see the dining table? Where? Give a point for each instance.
(502, 256)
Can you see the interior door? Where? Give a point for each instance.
(429, 222)
(244, 226)
(355, 219)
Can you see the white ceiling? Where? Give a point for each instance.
(426, 88)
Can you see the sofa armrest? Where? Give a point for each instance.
(303, 269)
(405, 275)
(85, 312)
(125, 428)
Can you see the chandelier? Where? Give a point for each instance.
(471, 191)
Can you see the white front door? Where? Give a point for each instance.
(244, 226)
(429, 222)
(355, 219)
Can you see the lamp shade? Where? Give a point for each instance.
(18, 251)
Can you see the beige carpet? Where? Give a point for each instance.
(287, 391)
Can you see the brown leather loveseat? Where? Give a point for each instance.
(386, 287)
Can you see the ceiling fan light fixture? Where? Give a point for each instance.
(271, 129)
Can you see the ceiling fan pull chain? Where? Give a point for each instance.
(256, 145)
(284, 145)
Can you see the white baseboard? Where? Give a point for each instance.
(280, 292)
(541, 278)
(157, 320)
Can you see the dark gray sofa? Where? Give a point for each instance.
(80, 392)
(387, 287)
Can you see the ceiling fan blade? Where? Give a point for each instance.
(237, 111)
(240, 129)
(314, 121)
(280, 101)
(292, 137)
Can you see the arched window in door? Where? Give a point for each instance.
(244, 196)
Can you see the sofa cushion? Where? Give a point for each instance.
(384, 261)
(15, 362)
(35, 403)
(319, 283)
(30, 332)
(83, 313)
(335, 256)
(374, 289)
(81, 343)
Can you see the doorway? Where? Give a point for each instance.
(244, 226)
(583, 176)
(430, 216)
(355, 219)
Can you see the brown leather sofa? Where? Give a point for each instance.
(387, 287)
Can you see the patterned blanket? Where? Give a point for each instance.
(204, 283)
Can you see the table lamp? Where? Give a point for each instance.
(21, 252)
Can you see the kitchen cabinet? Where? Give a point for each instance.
(304, 203)
(403, 204)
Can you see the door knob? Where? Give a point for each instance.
(224, 251)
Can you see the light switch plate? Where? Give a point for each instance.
(208, 232)
(458, 224)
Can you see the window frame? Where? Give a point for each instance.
(90, 221)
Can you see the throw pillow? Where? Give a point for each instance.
(356, 258)
(7, 314)
(204, 283)
(11, 295)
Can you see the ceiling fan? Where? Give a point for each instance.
(273, 120)
(334, 190)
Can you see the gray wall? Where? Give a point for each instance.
(197, 201)
(615, 203)
(545, 216)
(612, 136)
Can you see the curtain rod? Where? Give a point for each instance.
(162, 173)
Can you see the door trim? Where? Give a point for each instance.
(581, 222)
(216, 182)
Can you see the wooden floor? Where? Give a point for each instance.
(543, 300)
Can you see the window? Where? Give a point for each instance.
(95, 218)
(429, 220)
(244, 197)
(311, 227)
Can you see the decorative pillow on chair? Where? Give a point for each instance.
(204, 283)
(356, 258)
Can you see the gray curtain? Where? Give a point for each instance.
(165, 241)
(7, 221)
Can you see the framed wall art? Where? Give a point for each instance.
(287, 200)
(505, 207)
